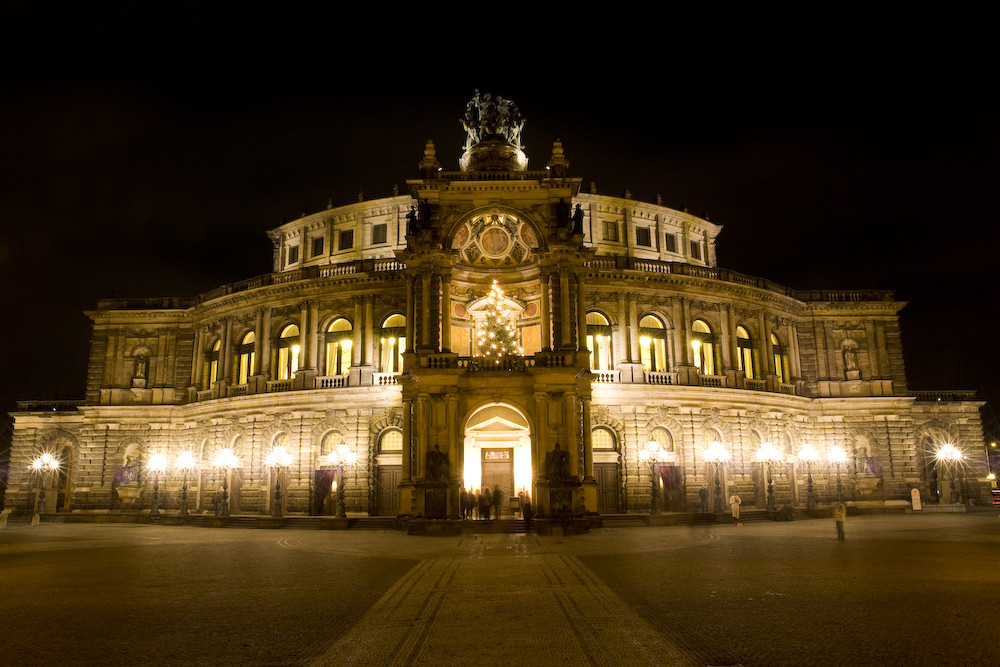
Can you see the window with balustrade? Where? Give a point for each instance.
(599, 341)
(744, 353)
(780, 359)
(339, 342)
(246, 358)
(288, 352)
(392, 343)
(652, 344)
(703, 347)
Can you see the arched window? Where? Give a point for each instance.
(780, 359)
(392, 343)
(602, 439)
(288, 352)
(652, 344)
(661, 436)
(391, 441)
(599, 341)
(212, 365)
(744, 353)
(245, 359)
(331, 441)
(703, 347)
(338, 347)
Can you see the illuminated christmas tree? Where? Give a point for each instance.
(498, 337)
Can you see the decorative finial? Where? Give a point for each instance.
(329, 202)
(429, 166)
(593, 188)
(659, 200)
(395, 190)
(361, 195)
(558, 164)
(627, 194)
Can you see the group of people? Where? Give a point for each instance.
(482, 504)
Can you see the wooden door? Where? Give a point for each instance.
(498, 470)
(606, 475)
(387, 493)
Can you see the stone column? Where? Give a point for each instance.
(794, 366)
(313, 335)
(633, 330)
(410, 309)
(368, 344)
(546, 322)
(226, 352)
(588, 447)
(572, 428)
(456, 455)
(198, 361)
(581, 315)
(258, 343)
(264, 360)
(407, 442)
(425, 310)
(565, 318)
(446, 313)
(621, 346)
(357, 341)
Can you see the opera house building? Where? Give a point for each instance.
(495, 326)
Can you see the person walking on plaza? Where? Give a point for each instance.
(703, 495)
(484, 503)
(734, 502)
(839, 515)
(497, 501)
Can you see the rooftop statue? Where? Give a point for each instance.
(489, 118)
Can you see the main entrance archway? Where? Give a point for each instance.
(498, 451)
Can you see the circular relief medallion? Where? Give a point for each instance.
(459, 310)
(531, 309)
(494, 241)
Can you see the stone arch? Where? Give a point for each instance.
(458, 233)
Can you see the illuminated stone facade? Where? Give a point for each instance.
(360, 344)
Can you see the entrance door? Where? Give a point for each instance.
(498, 470)
(387, 493)
(606, 475)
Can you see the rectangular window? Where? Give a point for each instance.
(293, 254)
(611, 231)
(670, 243)
(695, 250)
(642, 236)
(346, 239)
(378, 234)
(317, 246)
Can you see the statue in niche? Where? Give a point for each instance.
(412, 224)
(140, 367)
(437, 465)
(557, 464)
(850, 359)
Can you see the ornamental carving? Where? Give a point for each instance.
(495, 240)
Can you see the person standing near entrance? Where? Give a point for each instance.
(497, 501)
(839, 516)
(703, 496)
(734, 503)
(484, 503)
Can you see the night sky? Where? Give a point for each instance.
(148, 155)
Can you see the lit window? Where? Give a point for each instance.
(703, 347)
(346, 240)
(642, 236)
(602, 439)
(212, 365)
(661, 436)
(744, 352)
(652, 344)
(288, 352)
(378, 234)
(599, 341)
(338, 347)
(392, 342)
(391, 441)
(780, 359)
(245, 359)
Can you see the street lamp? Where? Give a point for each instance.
(652, 453)
(157, 463)
(338, 458)
(278, 459)
(837, 456)
(225, 460)
(809, 454)
(42, 466)
(768, 454)
(186, 464)
(717, 454)
(950, 456)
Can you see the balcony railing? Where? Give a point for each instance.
(660, 377)
(331, 381)
(943, 396)
(755, 385)
(606, 376)
(279, 385)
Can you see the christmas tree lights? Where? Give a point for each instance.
(498, 336)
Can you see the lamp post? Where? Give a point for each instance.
(225, 460)
(278, 459)
(950, 456)
(42, 466)
(338, 458)
(653, 453)
(768, 454)
(837, 456)
(809, 454)
(157, 464)
(186, 464)
(717, 454)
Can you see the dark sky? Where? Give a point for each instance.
(146, 155)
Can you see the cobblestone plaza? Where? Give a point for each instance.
(901, 590)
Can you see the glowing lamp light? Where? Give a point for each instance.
(45, 462)
(225, 458)
(279, 457)
(157, 462)
(185, 461)
(716, 452)
(808, 453)
(836, 455)
(949, 452)
(768, 453)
